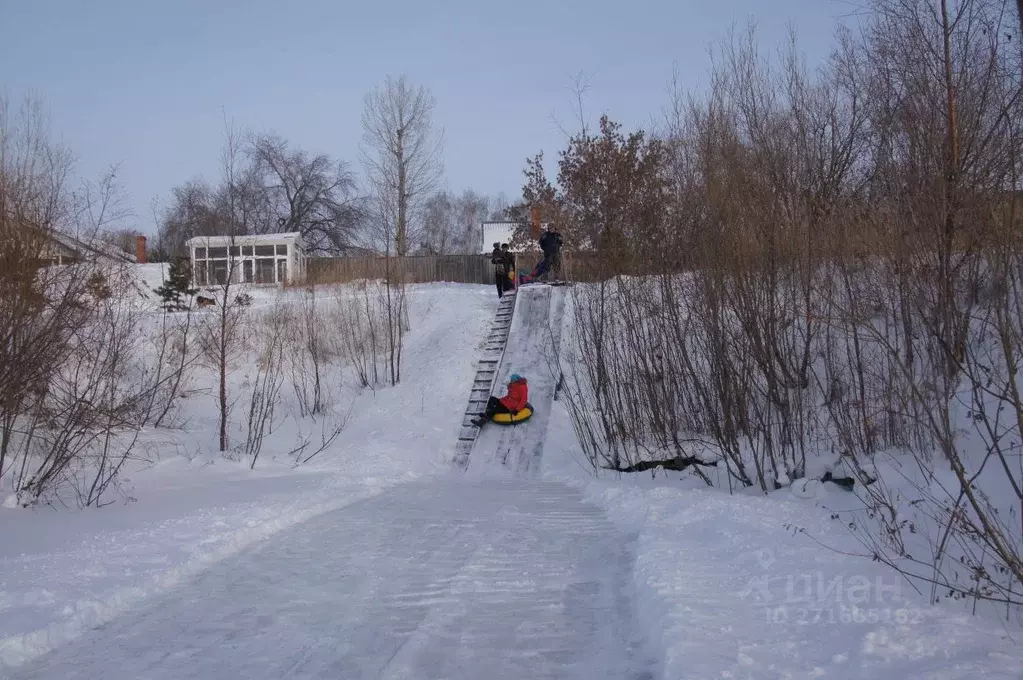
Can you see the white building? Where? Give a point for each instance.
(250, 258)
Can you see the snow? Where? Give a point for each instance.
(743, 586)
(377, 560)
(62, 571)
(441, 579)
(532, 339)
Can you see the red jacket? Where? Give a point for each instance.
(517, 395)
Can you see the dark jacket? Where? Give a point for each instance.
(550, 242)
(518, 395)
(509, 260)
(499, 261)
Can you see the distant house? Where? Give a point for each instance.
(497, 232)
(58, 248)
(249, 258)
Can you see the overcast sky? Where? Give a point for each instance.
(143, 83)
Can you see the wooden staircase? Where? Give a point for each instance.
(486, 373)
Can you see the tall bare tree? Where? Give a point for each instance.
(220, 332)
(275, 187)
(401, 152)
(451, 223)
(311, 194)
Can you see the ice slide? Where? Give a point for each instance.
(533, 340)
(493, 579)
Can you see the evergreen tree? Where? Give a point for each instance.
(178, 283)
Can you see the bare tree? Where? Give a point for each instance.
(451, 223)
(220, 331)
(71, 393)
(849, 289)
(401, 153)
(309, 352)
(124, 239)
(275, 187)
(309, 194)
(268, 379)
(194, 210)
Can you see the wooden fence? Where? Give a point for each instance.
(429, 268)
(415, 269)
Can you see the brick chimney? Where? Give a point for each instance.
(140, 249)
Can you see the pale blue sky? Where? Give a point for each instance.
(142, 83)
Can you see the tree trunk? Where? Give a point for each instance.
(949, 336)
(223, 387)
(401, 234)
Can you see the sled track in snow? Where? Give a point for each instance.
(531, 349)
(483, 381)
(500, 579)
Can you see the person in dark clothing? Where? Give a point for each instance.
(513, 402)
(500, 272)
(509, 265)
(550, 244)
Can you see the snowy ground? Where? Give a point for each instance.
(428, 580)
(741, 586)
(62, 571)
(374, 561)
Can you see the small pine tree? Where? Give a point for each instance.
(97, 286)
(179, 279)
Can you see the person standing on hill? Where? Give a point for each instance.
(550, 244)
(509, 264)
(500, 273)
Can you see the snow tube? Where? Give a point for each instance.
(509, 419)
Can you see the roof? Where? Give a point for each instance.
(84, 248)
(245, 239)
(496, 232)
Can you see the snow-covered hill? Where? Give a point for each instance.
(718, 586)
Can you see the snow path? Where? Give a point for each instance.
(450, 578)
(533, 342)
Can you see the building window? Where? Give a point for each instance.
(218, 271)
(265, 270)
(218, 253)
(247, 250)
(236, 251)
(282, 249)
(200, 253)
(282, 271)
(264, 250)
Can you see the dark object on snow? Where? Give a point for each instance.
(846, 483)
(205, 302)
(678, 464)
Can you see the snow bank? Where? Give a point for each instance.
(64, 571)
(746, 586)
(81, 586)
